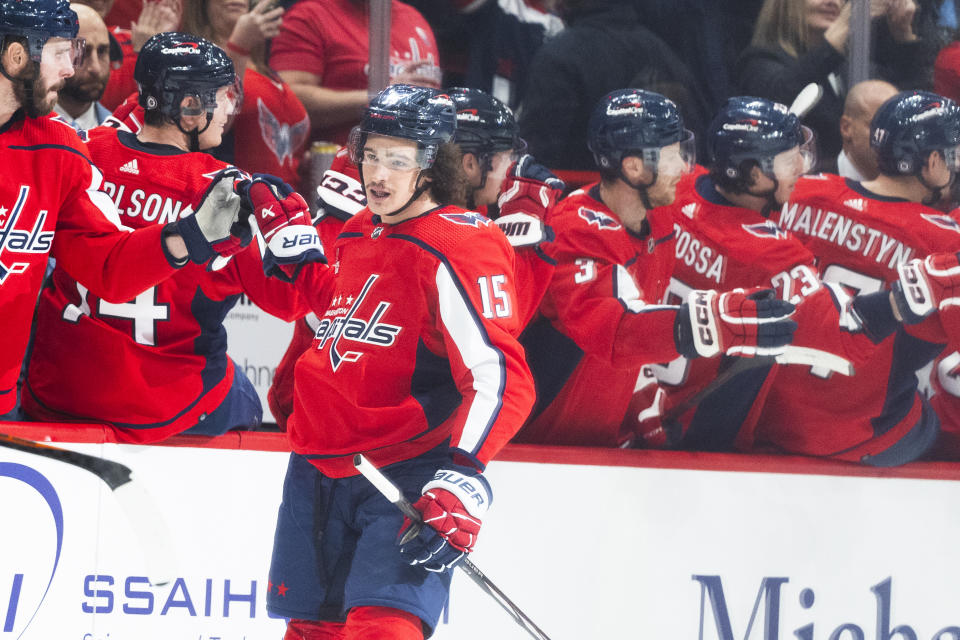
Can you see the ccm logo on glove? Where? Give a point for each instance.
(703, 316)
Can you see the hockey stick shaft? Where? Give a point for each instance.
(393, 494)
(136, 504)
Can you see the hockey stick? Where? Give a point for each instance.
(136, 504)
(392, 493)
(806, 100)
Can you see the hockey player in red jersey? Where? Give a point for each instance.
(859, 234)
(415, 364)
(488, 136)
(160, 358)
(49, 198)
(724, 240)
(928, 292)
(615, 251)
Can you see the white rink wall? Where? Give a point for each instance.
(628, 549)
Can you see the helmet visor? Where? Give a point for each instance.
(680, 157)
(396, 154)
(63, 50)
(792, 163)
(951, 156)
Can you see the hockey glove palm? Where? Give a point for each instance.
(452, 504)
(927, 285)
(737, 323)
(283, 222)
(529, 188)
(216, 226)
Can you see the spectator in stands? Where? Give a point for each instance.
(156, 16)
(857, 160)
(946, 71)
(604, 47)
(797, 42)
(269, 134)
(489, 45)
(713, 35)
(78, 101)
(322, 52)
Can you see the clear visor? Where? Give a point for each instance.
(228, 98)
(792, 163)
(680, 157)
(395, 154)
(952, 158)
(61, 51)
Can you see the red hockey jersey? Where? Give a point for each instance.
(875, 416)
(600, 321)
(159, 358)
(417, 345)
(50, 204)
(722, 246)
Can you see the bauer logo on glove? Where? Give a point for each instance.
(289, 240)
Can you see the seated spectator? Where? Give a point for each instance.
(713, 35)
(857, 160)
(78, 101)
(269, 133)
(603, 47)
(797, 42)
(601, 321)
(487, 44)
(322, 52)
(160, 359)
(127, 37)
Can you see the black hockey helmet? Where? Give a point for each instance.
(172, 66)
(911, 125)
(484, 124)
(38, 21)
(423, 115)
(756, 129)
(634, 122)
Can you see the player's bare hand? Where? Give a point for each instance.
(257, 26)
(422, 73)
(156, 17)
(900, 14)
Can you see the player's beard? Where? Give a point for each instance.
(35, 102)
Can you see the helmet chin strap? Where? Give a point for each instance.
(935, 192)
(418, 191)
(193, 136)
(640, 188)
(770, 195)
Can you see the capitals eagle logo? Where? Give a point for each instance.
(281, 138)
(602, 220)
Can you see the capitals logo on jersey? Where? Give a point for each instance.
(602, 220)
(370, 331)
(468, 218)
(13, 240)
(943, 221)
(765, 230)
(280, 137)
